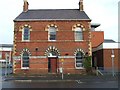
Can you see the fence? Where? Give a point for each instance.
(106, 71)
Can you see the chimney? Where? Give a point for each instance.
(25, 6)
(81, 5)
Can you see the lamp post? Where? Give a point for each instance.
(62, 60)
(6, 71)
(112, 56)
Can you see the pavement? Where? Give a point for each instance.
(58, 78)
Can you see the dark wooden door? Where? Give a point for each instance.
(52, 65)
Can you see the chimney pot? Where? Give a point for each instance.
(81, 5)
(25, 6)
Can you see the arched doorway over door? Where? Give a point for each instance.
(52, 53)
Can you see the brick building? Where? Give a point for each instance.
(44, 38)
(5, 53)
(106, 55)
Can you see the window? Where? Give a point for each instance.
(78, 34)
(25, 60)
(79, 60)
(26, 33)
(52, 54)
(0, 55)
(52, 33)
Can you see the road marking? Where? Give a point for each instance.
(78, 81)
(23, 80)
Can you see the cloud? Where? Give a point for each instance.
(100, 11)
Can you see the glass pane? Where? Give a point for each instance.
(26, 37)
(26, 33)
(78, 35)
(79, 54)
(52, 33)
(25, 59)
(78, 29)
(52, 29)
(52, 37)
(25, 65)
(78, 61)
(79, 65)
(0, 55)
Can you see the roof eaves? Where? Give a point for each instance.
(48, 19)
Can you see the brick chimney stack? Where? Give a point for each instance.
(81, 5)
(25, 6)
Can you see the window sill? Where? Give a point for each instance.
(25, 40)
(51, 40)
(79, 40)
(80, 68)
(24, 68)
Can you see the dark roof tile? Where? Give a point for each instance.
(52, 14)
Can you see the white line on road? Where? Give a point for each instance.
(78, 81)
(23, 80)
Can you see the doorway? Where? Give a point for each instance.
(52, 65)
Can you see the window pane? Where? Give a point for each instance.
(52, 33)
(79, 59)
(52, 37)
(79, 65)
(78, 34)
(52, 29)
(78, 29)
(25, 65)
(26, 37)
(25, 59)
(0, 55)
(26, 33)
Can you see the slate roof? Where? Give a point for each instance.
(52, 14)
(6, 45)
(109, 41)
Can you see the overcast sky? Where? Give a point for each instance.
(104, 12)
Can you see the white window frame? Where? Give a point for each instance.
(76, 63)
(76, 30)
(0, 54)
(22, 62)
(23, 34)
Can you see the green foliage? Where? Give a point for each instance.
(87, 62)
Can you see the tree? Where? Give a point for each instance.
(87, 63)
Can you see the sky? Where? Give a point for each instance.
(104, 12)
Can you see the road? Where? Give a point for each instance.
(59, 84)
(83, 82)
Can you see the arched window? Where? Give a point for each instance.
(52, 33)
(25, 60)
(79, 60)
(78, 34)
(26, 33)
(52, 54)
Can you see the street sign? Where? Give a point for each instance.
(62, 60)
(61, 70)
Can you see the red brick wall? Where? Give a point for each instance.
(104, 58)
(4, 54)
(108, 59)
(97, 38)
(65, 43)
